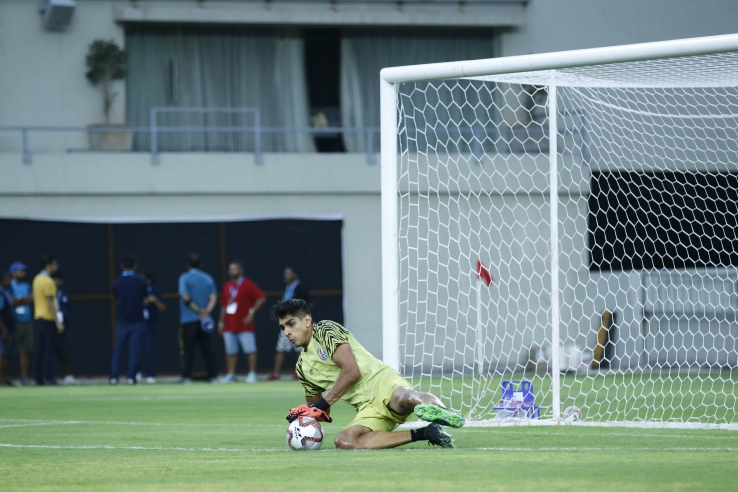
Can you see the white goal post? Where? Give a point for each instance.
(567, 219)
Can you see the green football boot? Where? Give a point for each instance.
(438, 437)
(430, 412)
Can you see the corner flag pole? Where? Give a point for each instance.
(480, 338)
(483, 277)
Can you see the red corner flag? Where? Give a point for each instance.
(483, 274)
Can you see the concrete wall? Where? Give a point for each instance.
(42, 79)
(555, 25)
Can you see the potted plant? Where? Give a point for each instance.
(106, 62)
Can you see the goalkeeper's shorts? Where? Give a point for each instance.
(376, 414)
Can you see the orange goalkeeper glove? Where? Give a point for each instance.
(310, 411)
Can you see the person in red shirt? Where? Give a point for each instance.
(240, 301)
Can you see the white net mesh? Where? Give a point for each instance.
(648, 249)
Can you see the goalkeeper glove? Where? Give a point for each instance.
(320, 411)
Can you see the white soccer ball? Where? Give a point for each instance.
(572, 414)
(305, 434)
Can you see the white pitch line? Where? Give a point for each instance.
(26, 422)
(280, 450)
(608, 448)
(34, 424)
(153, 398)
(528, 423)
(610, 434)
(584, 448)
(142, 448)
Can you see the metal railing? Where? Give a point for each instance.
(27, 155)
(513, 137)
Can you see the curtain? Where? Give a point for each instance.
(364, 52)
(218, 67)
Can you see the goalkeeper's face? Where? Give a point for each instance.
(298, 330)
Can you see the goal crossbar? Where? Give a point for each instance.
(563, 59)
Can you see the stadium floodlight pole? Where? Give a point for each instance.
(553, 135)
(390, 224)
(564, 59)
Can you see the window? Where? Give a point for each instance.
(323, 67)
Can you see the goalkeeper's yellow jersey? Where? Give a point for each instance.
(317, 372)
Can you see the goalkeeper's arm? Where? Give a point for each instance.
(350, 373)
(319, 406)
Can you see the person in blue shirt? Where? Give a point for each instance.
(197, 298)
(154, 304)
(7, 329)
(63, 347)
(23, 302)
(131, 292)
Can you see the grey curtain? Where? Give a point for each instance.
(224, 67)
(364, 52)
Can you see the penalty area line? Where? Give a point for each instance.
(285, 450)
(143, 448)
(606, 448)
(29, 422)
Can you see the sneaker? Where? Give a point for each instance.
(113, 381)
(26, 382)
(228, 378)
(131, 381)
(7, 382)
(51, 382)
(273, 377)
(184, 381)
(438, 437)
(430, 412)
(150, 380)
(139, 376)
(294, 376)
(251, 378)
(69, 379)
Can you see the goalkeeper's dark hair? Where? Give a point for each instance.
(291, 307)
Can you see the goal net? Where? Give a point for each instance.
(573, 227)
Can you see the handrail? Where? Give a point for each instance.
(28, 156)
(477, 131)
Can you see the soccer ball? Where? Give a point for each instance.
(572, 414)
(305, 434)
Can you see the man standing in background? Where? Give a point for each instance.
(154, 305)
(63, 347)
(295, 290)
(240, 301)
(7, 329)
(46, 321)
(130, 290)
(22, 302)
(197, 299)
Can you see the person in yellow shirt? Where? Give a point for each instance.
(47, 323)
(334, 366)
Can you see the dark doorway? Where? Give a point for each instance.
(323, 66)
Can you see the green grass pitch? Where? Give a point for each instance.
(232, 437)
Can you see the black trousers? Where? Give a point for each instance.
(46, 337)
(189, 335)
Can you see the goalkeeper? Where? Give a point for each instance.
(334, 366)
